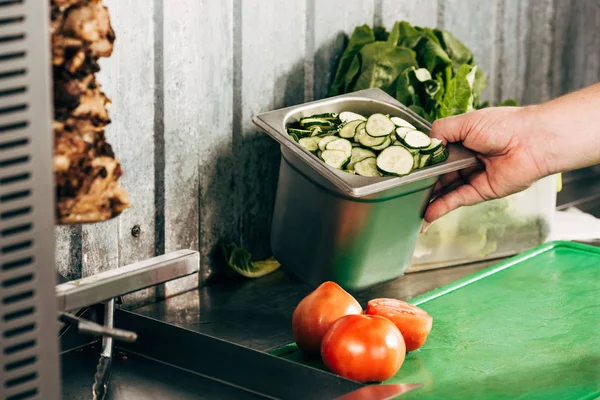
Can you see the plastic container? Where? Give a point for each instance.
(494, 229)
(330, 225)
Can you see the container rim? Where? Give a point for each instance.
(273, 123)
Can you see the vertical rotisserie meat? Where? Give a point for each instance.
(85, 168)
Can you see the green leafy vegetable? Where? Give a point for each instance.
(382, 64)
(428, 70)
(240, 260)
(362, 35)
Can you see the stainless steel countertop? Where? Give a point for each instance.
(258, 313)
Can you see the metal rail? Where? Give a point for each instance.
(131, 278)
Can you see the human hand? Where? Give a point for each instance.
(511, 158)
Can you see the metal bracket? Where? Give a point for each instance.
(130, 278)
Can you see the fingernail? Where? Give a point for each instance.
(424, 226)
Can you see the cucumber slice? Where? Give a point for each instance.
(325, 140)
(379, 125)
(425, 159)
(335, 158)
(435, 144)
(316, 131)
(399, 122)
(309, 121)
(300, 132)
(326, 116)
(393, 138)
(349, 171)
(367, 167)
(359, 154)
(360, 127)
(340, 144)
(384, 145)
(319, 153)
(395, 160)
(347, 131)
(310, 143)
(369, 141)
(401, 132)
(293, 136)
(417, 140)
(347, 116)
(417, 160)
(440, 155)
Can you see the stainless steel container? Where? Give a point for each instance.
(331, 225)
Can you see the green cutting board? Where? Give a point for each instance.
(528, 328)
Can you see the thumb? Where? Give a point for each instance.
(451, 129)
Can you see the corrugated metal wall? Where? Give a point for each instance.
(187, 75)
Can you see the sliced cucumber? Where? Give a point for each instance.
(347, 131)
(367, 167)
(369, 141)
(347, 116)
(401, 132)
(399, 122)
(325, 140)
(379, 125)
(425, 159)
(359, 128)
(326, 116)
(300, 132)
(435, 144)
(309, 121)
(417, 160)
(310, 143)
(417, 140)
(359, 154)
(335, 158)
(375, 146)
(440, 155)
(340, 144)
(386, 144)
(395, 160)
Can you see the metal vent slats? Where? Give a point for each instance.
(26, 205)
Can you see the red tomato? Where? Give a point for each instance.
(365, 348)
(317, 311)
(413, 322)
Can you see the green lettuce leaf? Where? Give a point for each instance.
(361, 36)
(240, 260)
(382, 63)
(457, 51)
(459, 98)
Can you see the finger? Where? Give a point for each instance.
(451, 129)
(464, 195)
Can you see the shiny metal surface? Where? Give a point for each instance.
(228, 363)
(354, 230)
(319, 235)
(380, 392)
(365, 102)
(91, 328)
(257, 313)
(109, 284)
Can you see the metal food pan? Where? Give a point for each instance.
(331, 225)
(364, 102)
